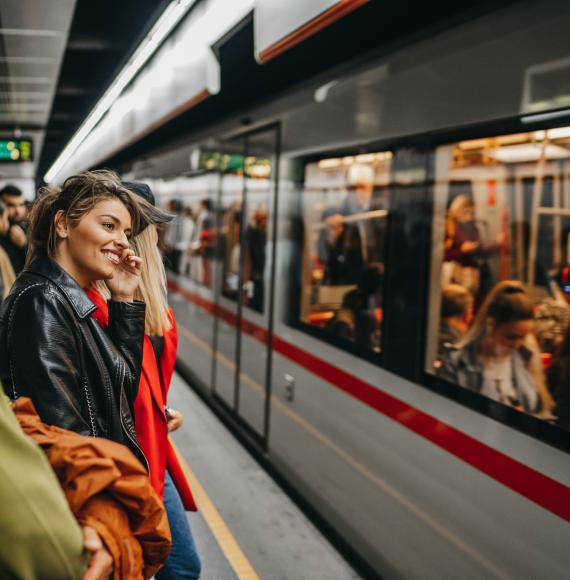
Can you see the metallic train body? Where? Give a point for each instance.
(418, 483)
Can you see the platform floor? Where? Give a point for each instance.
(247, 527)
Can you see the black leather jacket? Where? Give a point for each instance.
(79, 376)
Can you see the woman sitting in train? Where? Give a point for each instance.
(153, 419)
(498, 357)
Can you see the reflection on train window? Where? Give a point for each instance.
(500, 302)
(190, 238)
(246, 194)
(345, 206)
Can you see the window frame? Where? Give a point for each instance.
(527, 424)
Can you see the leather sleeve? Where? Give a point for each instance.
(126, 329)
(44, 358)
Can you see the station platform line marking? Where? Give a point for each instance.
(356, 465)
(228, 544)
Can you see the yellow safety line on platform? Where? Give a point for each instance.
(228, 544)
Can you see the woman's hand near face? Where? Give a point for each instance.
(126, 278)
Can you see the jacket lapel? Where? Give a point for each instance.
(151, 374)
(168, 359)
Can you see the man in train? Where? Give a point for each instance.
(360, 201)
(339, 250)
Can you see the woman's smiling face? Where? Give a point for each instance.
(92, 249)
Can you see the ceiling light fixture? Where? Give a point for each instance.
(171, 16)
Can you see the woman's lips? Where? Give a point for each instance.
(112, 256)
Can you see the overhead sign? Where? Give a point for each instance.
(16, 150)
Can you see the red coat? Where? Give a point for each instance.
(150, 419)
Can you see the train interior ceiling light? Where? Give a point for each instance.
(517, 148)
(335, 162)
(168, 20)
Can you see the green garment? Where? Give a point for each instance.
(39, 537)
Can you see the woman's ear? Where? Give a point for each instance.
(60, 224)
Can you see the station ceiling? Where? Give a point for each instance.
(56, 59)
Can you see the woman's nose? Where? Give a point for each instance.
(122, 240)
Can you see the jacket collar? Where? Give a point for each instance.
(47, 268)
(469, 355)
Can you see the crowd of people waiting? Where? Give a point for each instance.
(91, 485)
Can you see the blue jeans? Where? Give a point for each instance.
(183, 561)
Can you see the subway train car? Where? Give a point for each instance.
(309, 288)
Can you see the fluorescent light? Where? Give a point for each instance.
(559, 133)
(366, 158)
(171, 16)
(329, 163)
(528, 152)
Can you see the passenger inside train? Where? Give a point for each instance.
(342, 289)
(506, 244)
(498, 357)
(456, 316)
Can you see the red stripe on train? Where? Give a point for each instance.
(534, 485)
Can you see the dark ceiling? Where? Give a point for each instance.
(376, 28)
(103, 35)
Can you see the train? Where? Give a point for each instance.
(308, 294)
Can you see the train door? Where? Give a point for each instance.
(230, 204)
(244, 330)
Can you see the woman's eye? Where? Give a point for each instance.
(109, 226)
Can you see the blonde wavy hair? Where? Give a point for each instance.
(152, 287)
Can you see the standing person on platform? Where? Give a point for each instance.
(7, 274)
(79, 377)
(153, 419)
(15, 240)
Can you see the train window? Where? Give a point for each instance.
(246, 194)
(345, 212)
(230, 220)
(188, 240)
(500, 277)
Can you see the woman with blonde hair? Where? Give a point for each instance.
(498, 356)
(153, 419)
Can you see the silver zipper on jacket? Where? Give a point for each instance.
(89, 408)
(110, 393)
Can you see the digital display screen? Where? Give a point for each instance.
(16, 150)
